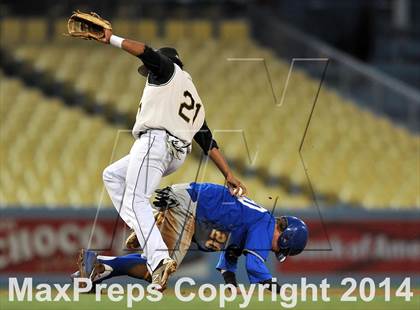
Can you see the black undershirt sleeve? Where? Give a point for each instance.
(204, 138)
(230, 278)
(273, 285)
(160, 67)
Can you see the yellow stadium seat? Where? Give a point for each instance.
(176, 30)
(125, 28)
(60, 29)
(146, 31)
(11, 30)
(234, 30)
(200, 30)
(349, 153)
(35, 30)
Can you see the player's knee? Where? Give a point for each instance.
(138, 202)
(141, 199)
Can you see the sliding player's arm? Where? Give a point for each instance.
(259, 273)
(257, 248)
(227, 266)
(204, 138)
(228, 259)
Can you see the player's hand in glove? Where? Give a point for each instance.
(108, 34)
(235, 186)
(89, 26)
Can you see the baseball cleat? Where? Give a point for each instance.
(132, 242)
(75, 274)
(87, 262)
(161, 275)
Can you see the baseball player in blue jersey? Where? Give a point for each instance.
(208, 215)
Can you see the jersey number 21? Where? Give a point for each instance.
(192, 105)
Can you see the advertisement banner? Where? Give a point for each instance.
(48, 241)
(365, 246)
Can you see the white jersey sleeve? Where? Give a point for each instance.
(174, 106)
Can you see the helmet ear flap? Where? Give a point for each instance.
(281, 258)
(283, 244)
(282, 241)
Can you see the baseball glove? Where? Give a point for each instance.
(88, 26)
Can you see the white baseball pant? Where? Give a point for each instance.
(130, 183)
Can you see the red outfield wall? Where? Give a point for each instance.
(362, 245)
(47, 241)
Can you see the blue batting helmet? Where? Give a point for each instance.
(293, 238)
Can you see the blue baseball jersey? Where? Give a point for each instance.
(251, 227)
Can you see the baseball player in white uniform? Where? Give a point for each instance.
(170, 116)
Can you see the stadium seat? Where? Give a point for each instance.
(125, 28)
(35, 30)
(60, 28)
(349, 153)
(147, 31)
(234, 30)
(11, 30)
(63, 167)
(200, 30)
(176, 30)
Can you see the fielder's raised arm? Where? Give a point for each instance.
(133, 47)
(155, 62)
